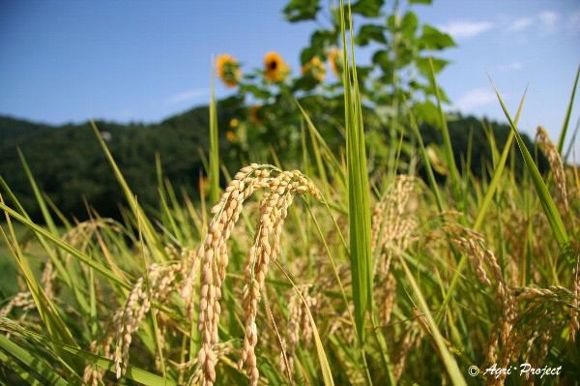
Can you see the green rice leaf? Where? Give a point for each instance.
(554, 218)
(214, 155)
(446, 357)
(359, 213)
(449, 156)
(568, 113)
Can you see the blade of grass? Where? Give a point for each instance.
(63, 245)
(166, 212)
(358, 188)
(322, 358)
(554, 218)
(133, 373)
(54, 258)
(425, 158)
(497, 175)
(450, 157)
(446, 357)
(37, 194)
(383, 348)
(316, 138)
(568, 113)
(152, 311)
(32, 364)
(572, 142)
(148, 230)
(492, 188)
(214, 156)
(47, 309)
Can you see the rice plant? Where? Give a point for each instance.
(311, 276)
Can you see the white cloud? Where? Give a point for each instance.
(186, 96)
(467, 29)
(514, 66)
(521, 24)
(475, 98)
(549, 19)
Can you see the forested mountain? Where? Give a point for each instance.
(69, 166)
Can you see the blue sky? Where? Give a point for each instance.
(72, 60)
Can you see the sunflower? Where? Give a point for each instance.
(234, 122)
(335, 60)
(231, 136)
(275, 68)
(228, 69)
(315, 68)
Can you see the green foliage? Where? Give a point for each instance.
(368, 33)
(367, 8)
(298, 10)
(433, 39)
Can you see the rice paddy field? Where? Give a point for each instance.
(315, 274)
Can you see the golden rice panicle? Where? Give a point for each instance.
(392, 232)
(154, 287)
(221, 351)
(515, 237)
(266, 248)
(556, 165)
(255, 273)
(92, 375)
(410, 340)
(86, 229)
(187, 263)
(377, 218)
(387, 299)
(392, 225)
(47, 280)
(473, 245)
(23, 300)
(213, 269)
(394, 203)
(214, 259)
(226, 213)
(299, 328)
(294, 323)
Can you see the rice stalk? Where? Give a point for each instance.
(556, 166)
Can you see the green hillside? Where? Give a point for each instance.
(70, 167)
